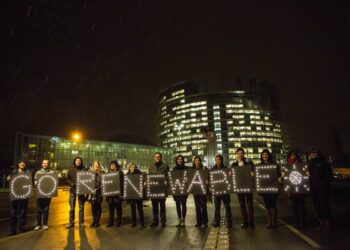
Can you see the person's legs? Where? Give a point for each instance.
(140, 211)
(227, 200)
(119, 209)
(23, 214)
(47, 202)
(162, 211)
(250, 209)
(217, 216)
(133, 213)
(72, 199)
(40, 210)
(14, 213)
(111, 206)
(81, 200)
(203, 202)
(242, 205)
(197, 203)
(155, 211)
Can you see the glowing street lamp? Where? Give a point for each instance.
(76, 137)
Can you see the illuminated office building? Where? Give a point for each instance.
(205, 124)
(61, 152)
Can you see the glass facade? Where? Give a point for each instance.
(206, 124)
(61, 152)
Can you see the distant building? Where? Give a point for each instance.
(61, 152)
(205, 124)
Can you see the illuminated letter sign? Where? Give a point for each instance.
(177, 180)
(295, 179)
(219, 182)
(47, 185)
(21, 186)
(156, 186)
(197, 181)
(266, 179)
(133, 186)
(242, 181)
(110, 184)
(86, 182)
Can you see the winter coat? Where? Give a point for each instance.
(321, 175)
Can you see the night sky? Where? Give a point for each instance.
(98, 67)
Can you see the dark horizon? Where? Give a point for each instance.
(99, 68)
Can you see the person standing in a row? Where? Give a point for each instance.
(298, 200)
(245, 199)
(18, 207)
(116, 202)
(270, 199)
(320, 174)
(159, 167)
(42, 204)
(180, 200)
(200, 200)
(72, 182)
(96, 198)
(224, 198)
(135, 203)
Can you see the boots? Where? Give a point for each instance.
(273, 217)
(321, 227)
(327, 226)
(268, 216)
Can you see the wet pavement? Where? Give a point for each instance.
(171, 237)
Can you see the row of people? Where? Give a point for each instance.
(320, 175)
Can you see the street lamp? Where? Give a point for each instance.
(76, 137)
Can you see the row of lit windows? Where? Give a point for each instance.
(178, 92)
(193, 104)
(240, 105)
(252, 139)
(184, 111)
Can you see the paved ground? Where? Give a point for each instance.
(171, 237)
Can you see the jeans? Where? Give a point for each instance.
(138, 204)
(118, 207)
(181, 208)
(226, 199)
(18, 209)
(246, 205)
(200, 202)
(81, 200)
(156, 203)
(43, 206)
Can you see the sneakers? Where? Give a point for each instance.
(45, 227)
(154, 225)
(109, 225)
(70, 225)
(36, 228)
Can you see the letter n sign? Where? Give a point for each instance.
(21, 186)
(47, 185)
